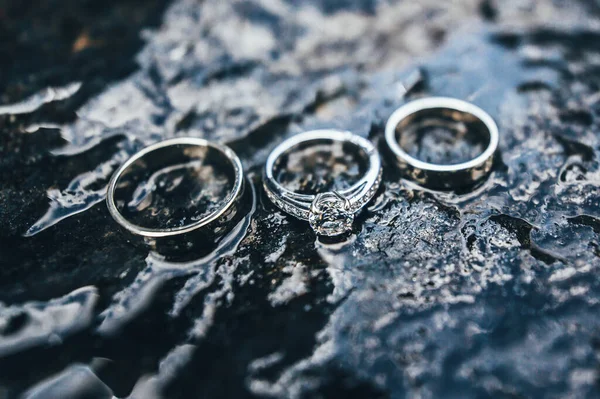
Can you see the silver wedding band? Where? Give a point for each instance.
(444, 176)
(223, 208)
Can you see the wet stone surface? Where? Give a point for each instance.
(441, 141)
(494, 293)
(321, 167)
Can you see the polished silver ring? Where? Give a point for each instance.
(329, 213)
(443, 176)
(217, 213)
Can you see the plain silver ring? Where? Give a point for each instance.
(442, 175)
(170, 232)
(306, 206)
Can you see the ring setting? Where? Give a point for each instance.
(329, 213)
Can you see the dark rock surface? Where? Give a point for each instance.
(490, 293)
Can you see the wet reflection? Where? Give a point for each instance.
(35, 324)
(200, 271)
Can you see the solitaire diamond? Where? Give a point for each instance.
(330, 214)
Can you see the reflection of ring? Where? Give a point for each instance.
(187, 147)
(329, 213)
(444, 176)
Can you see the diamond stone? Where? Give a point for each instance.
(330, 215)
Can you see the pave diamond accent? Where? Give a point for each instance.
(330, 214)
(299, 213)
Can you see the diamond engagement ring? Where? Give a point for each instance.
(329, 213)
(448, 111)
(175, 172)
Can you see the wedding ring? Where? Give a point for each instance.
(169, 156)
(442, 176)
(329, 213)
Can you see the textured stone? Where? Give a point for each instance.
(490, 293)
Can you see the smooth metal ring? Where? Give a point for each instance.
(444, 176)
(322, 209)
(175, 231)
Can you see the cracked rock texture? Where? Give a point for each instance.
(489, 293)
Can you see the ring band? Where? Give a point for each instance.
(219, 211)
(329, 213)
(444, 176)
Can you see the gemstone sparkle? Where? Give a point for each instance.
(330, 214)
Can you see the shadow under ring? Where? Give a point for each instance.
(442, 176)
